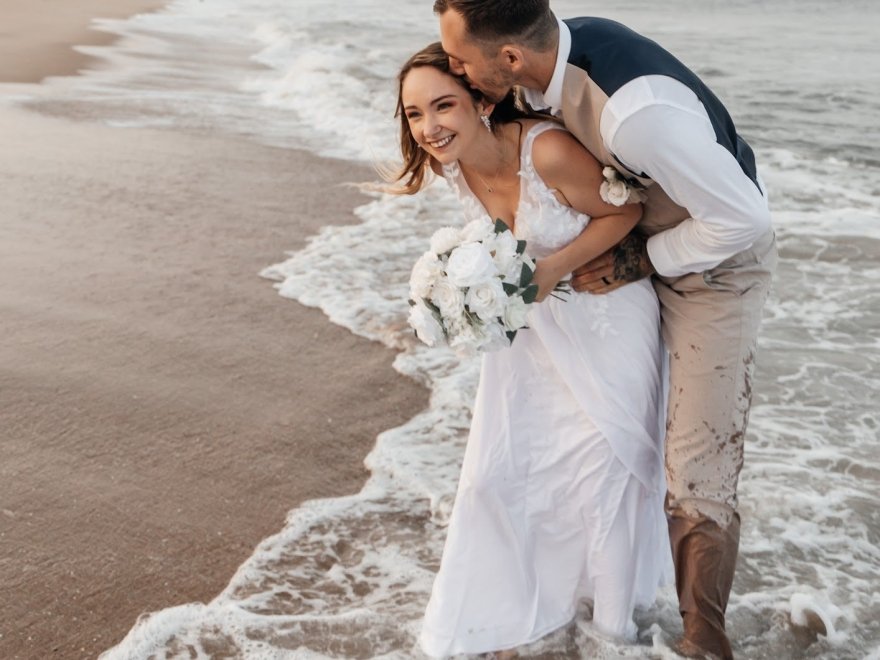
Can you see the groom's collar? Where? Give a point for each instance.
(552, 96)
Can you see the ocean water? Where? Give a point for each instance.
(349, 577)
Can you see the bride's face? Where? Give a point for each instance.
(442, 115)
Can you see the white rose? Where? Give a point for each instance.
(486, 299)
(513, 274)
(614, 192)
(477, 231)
(470, 264)
(504, 247)
(426, 325)
(425, 273)
(444, 239)
(515, 313)
(455, 325)
(448, 298)
(610, 173)
(494, 337)
(466, 337)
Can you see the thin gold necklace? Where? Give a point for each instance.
(491, 187)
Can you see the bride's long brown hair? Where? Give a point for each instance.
(416, 160)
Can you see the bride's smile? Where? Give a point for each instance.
(442, 142)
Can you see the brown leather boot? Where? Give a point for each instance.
(705, 559)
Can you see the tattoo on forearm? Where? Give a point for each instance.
(628, 258)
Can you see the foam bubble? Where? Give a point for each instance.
(807, 612)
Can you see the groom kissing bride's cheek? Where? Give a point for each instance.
(522, 112)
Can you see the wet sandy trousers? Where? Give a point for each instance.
(710, 324)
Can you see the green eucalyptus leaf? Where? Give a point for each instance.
(525, 276)
(530, 293)
(509, 289)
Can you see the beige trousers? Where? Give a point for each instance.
(710, 325)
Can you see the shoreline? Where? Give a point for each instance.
(163, 407)
(39, 36)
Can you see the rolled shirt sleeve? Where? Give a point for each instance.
(675, 145)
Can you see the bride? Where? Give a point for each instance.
(560, 495)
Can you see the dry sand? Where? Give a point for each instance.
(161, 407)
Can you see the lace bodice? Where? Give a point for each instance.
(541, 220)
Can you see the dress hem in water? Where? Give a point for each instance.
(495, 645)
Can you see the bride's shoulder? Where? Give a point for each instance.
(558, 152)
(554, 142)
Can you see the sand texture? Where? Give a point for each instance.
(161, 407)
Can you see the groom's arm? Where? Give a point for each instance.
(673, 142)
(677, 149)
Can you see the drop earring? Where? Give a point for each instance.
(486, 122)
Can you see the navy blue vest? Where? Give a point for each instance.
(611, 54)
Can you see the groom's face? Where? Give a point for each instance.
(467, 58)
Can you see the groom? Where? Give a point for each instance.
(705, 237)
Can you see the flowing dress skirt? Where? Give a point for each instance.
(561, 489)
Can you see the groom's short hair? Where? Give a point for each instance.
(493, 22)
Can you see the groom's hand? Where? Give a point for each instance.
(624, 263)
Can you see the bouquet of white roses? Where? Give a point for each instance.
(473, 288)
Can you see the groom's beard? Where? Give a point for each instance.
(496, 87)
(495, 98)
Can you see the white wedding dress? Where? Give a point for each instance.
(561, 490)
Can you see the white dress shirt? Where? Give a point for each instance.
(656, 125)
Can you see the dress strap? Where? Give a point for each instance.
(531, 134)
(527, 167)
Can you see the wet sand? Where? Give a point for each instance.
(161, 407)
(37, 37)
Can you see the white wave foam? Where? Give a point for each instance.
(806, 611)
